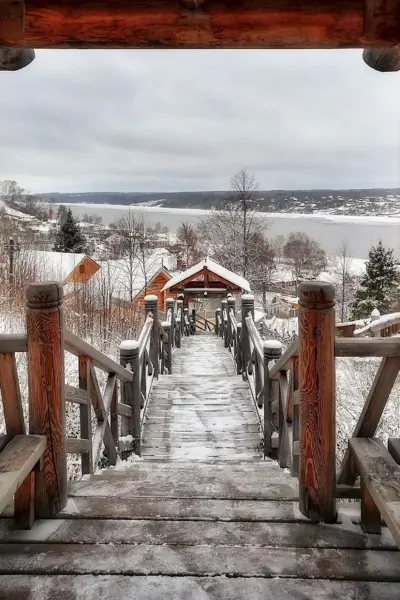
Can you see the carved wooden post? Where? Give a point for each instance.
(151, 306)
(247, 307)
(194, 321)
(179, 306)
(317, 400)
(130, 392)
(272, 351)
(46, 392)
(217, 317)
(170, 304)
(224, 313)
(231, 306)
(167, 360)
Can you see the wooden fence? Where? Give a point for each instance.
(117, 411)
(296, 391)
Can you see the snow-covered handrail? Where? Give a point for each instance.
(378, 325)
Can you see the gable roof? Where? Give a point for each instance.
(55, 266)
(213, 267)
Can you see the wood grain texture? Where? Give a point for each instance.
(24, 503)
(16, 461)
(46, 392)
(370, 515)
(85, 414)
(11, 396)
(381, 476)
(372, 411)
(317, 403)
(217, 24)
(13, 342)
(367, 347)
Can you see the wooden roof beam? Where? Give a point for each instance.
(207, 24)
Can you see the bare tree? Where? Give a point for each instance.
(262, 261)
(344, 281)
(306, 256)
(187, 239)
(227, 231)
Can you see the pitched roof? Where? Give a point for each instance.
(53, 265)
(213, 267)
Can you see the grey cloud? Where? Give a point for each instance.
(175, 120)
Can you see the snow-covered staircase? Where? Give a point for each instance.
(204, 410)
(201, 516)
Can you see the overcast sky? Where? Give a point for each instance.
(186, 120)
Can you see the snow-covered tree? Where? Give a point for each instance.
(378, 286)
(306, 256)
(69, 236)
(344, 281)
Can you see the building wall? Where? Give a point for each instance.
(83, 272)
(155, 286)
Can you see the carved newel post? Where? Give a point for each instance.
(151, 306)
(46, 392)
(317, 400)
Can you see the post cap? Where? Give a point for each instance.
(165, 324)
(218, 309)
(224, 301)
(128, 347)
(247, 298)
(170, 301)
(272, 348)
(316, 295)
(47, 294)
(150, 298)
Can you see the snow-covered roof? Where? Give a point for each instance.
(52, 265)
(212, 266)
(124, 277)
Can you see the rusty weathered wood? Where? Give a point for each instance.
(85, 413)
(380, 474)
(171, 24)
(13, 342)
(24, 503)
(372, 411)
(130, 392)
(12, 22)
(317, 400)
(367, 347)
(79, 347)
(46, 392)
(16, 461)
(11, 396)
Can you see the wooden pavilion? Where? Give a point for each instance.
(207, 279)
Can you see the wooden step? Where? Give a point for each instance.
(114, 587)
(189, 533)
(203, 560)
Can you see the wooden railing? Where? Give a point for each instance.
(118, 410)
(296, 391)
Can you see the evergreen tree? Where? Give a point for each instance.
(69, 237)
(378, 285)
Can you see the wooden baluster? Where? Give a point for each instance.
(224, 313)
(151, 306)
(294, 383)
(272, 352)
(130, 392)
(217, 317)
(167, 348)
(143, 367)
(85, 413)
(247, 307)
(186, 320)
(239, 356)
(170, 304)
(178, 331)
(46, 392)
(11, 395)
(179, 305)
(317, 400)
(230, 307)
(194, 321)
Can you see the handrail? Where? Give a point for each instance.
(255, 337)
(13, 342)
(144, 336)
(78, 347)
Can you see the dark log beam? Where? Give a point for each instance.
(383, 59)
(209, 24)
